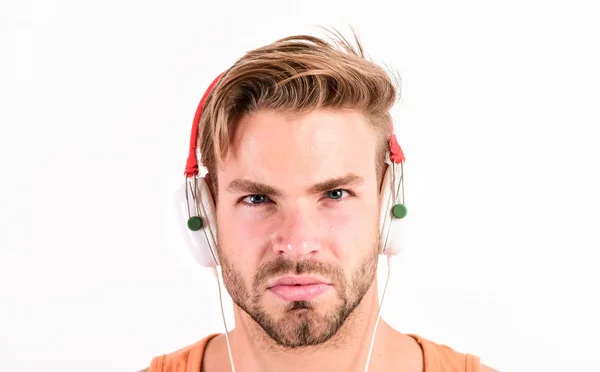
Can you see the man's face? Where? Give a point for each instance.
(297, 218)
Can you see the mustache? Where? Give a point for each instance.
(282, 266)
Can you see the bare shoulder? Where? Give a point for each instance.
(485, 368)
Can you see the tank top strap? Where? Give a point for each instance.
(441, 358)
(187, 359)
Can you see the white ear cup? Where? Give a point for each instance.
(395, 238)
(202, 243)
(390, 227)
(182, 217)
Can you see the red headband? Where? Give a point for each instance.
(191, 167)
(396, 153)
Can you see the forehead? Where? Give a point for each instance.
(300, 149)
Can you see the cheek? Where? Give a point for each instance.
(242, 237)
(353, 233)
(345, 232)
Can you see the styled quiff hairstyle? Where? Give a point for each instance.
(297, 74)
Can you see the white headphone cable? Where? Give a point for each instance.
(224, 321)
(378, 313)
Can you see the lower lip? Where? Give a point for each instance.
(299, 292)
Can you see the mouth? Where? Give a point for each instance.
(303, 288)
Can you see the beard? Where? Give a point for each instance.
(301, 323)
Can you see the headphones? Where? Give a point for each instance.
(197, 208)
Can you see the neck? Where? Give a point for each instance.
(347, 350)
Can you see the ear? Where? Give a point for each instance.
(382, 176)
(208, 179)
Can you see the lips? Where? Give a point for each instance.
(298, 280)
(303, 288)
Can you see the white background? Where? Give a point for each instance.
(499, 121)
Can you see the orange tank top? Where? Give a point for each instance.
(436, 358)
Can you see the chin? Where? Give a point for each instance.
(300, 323)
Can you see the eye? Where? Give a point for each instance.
(256, 199)
(336, 194)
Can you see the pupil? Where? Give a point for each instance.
(257, 198)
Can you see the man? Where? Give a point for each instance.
(295, 137)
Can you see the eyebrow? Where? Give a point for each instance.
(251, 187)
(350, 179)
(257, 188)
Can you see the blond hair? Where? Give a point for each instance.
(297, 74)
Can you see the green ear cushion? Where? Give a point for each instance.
(194, 223)
(399, 211)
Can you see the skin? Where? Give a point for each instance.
(301, 194)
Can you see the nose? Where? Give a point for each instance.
(298, 235)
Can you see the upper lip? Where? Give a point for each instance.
(297, 280)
